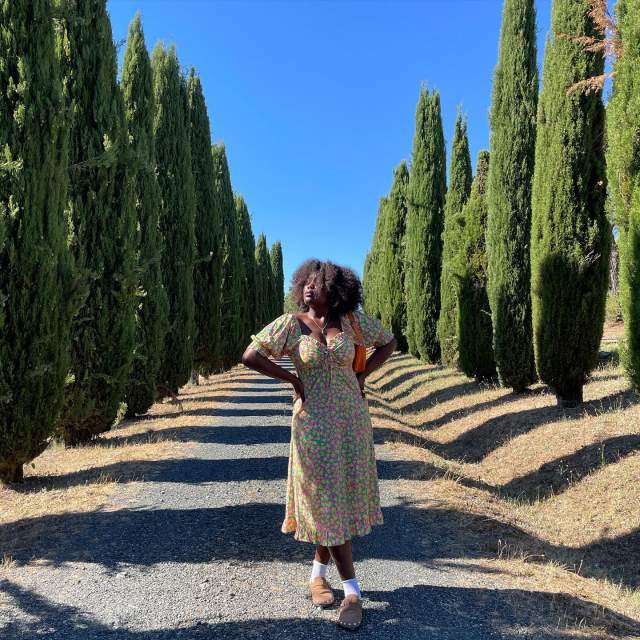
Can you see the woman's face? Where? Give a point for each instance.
(313, 292)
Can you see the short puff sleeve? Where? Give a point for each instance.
(272, 339)
(373, 332)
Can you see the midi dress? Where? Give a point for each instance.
(332, 481)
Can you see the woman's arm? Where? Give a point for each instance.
(256, 361)
(376, 359)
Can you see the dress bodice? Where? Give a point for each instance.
(338, 351)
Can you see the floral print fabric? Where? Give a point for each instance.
(332, 484)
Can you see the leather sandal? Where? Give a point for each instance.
(350, 612)
(321, 593)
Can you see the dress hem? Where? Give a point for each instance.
(309, 534)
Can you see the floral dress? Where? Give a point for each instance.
(332, 484)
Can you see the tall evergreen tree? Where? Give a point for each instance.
(373, 264)
(152, 305)
(460, 178)
(394, 309)
(248, 249)
(475, 331)
(102, 215)
(623, 171)
(570, 239)
(513, 136)
(207, 271)
(264, 281)
(425, 220)
(177, 217)
(277, 270)
(231, 289)
(35, 267)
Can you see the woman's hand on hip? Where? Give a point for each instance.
(298, 388)
(361, 379)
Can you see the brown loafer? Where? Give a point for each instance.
(350, 612)
(321, 593)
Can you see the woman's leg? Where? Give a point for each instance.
(343, 557)
(322, 554)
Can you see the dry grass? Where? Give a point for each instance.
(86, 478)
(550, 496)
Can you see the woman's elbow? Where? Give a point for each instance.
(248, 357)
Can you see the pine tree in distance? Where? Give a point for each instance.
(207, 273)
(460, 178)
(475, 334)
(152, 306)
(425, 220)
(177, 217)
(394, 309)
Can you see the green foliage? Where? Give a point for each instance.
(207, 272)
(102, 217)
(231, 324)
(35, 268)
(177, 217)
(264, 283)
(277, 271)
(425, 220)
(623, 172)
(152, 305)
(513, 137)
(372, 275)
(248, 249)
(460, 178)
(570, 236)
(392, 301)
(475, 330)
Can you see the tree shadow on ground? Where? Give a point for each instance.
(557, 475)
(198, 471)
(475, 444)
(412, 532)
(419, 612)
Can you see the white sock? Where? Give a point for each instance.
(351, 586)
(319, 569)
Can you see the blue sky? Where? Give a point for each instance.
(315, 100)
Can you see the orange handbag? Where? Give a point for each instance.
(360, 358)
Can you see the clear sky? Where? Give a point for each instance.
(315, 100)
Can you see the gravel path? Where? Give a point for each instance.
(198, 552)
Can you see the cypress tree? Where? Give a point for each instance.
(513, 131)
(475, 331)
(152, 305)
(264, 282)
(623, 171)
(247, 248)
(460, 178)
(570, 239)
(102, 216)
(373, 264)
(231, 288)
(277, 271)
(177, 217)
(207, 271)
(35, 268)
(394, 310)
(425, 220)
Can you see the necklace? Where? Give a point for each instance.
(323, 329)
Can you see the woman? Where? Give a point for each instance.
(332, 486)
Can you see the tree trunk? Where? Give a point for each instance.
(11, 472)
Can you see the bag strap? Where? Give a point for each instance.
(356, 327)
